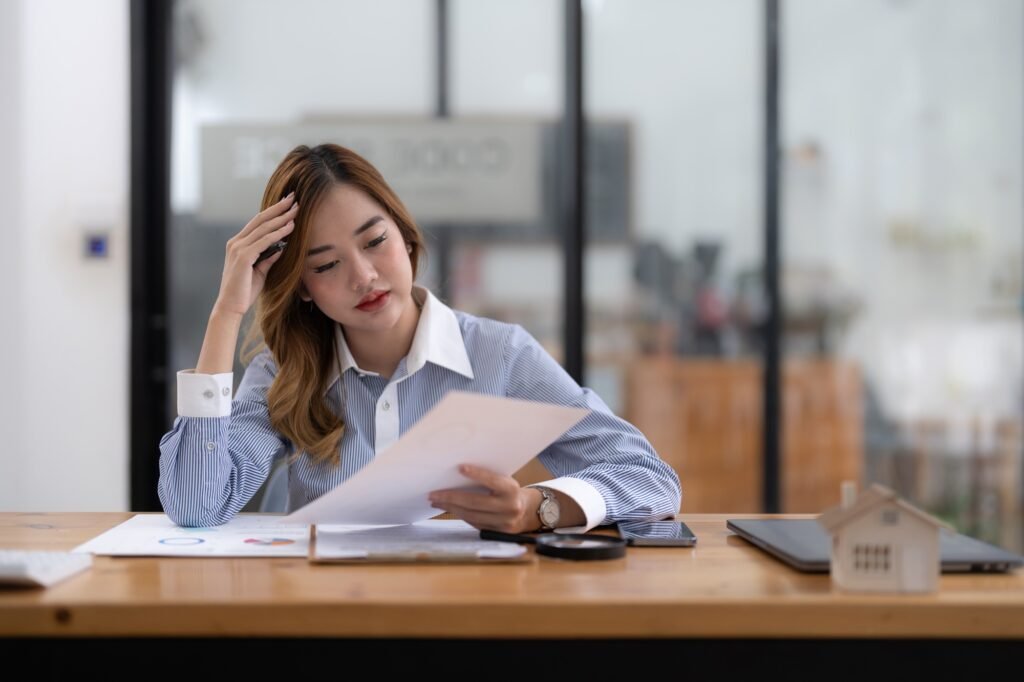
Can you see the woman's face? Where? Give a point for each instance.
(357, 268)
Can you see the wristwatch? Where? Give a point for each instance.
(548, 511)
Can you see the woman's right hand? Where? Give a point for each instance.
(241, 283)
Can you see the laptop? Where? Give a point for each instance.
(806, 546)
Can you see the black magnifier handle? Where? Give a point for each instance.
(508, 537)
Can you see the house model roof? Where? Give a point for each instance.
(837, 517)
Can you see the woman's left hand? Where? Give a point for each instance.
(508, 507)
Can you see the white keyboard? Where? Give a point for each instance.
(39, 568)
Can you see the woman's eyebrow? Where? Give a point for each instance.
(362, 228)
(318, 249)
(368, 224)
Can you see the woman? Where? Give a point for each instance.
(356, 354)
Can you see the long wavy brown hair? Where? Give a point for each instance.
(300, 337)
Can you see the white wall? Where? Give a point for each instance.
(267, 61)
(506, 57)
(915, 200)
(12, 455)
(65, 78)
(687, 74)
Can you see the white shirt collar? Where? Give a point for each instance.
(438, 339)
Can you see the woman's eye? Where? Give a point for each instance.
(325, 267)
(377, 242)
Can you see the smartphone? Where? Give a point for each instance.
(657, 534)
(270, 251)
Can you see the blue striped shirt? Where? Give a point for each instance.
(221, 450)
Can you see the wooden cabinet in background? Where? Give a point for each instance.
(705, 416)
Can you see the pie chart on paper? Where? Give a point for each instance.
(269, 541)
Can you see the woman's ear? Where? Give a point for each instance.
(304, 293)
(408, 247)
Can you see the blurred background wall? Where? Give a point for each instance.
(64, 177)
(901, 169)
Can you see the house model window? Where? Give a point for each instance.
(872, 558)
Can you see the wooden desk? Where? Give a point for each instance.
(724, 588)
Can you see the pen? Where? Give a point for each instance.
(270, 251)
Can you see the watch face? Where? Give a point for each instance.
(549, 512)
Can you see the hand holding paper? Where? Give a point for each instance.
(505, 506)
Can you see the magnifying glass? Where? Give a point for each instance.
(572, 546)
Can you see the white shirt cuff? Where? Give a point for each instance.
(583, 494)
(204, 395)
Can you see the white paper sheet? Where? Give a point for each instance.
(431, 540)
(500, 434)
(261, 535)
(244, 535)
